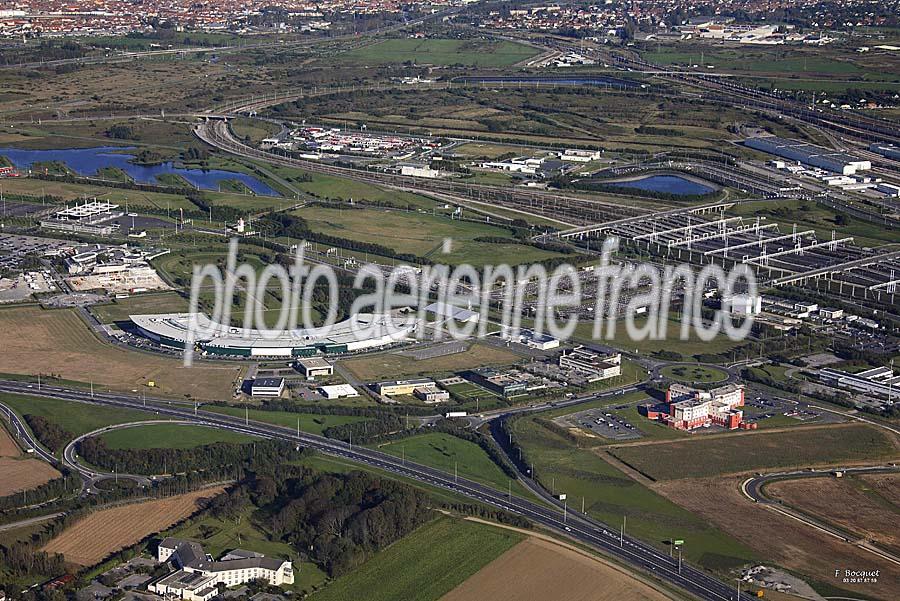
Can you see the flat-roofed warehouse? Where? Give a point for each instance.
(360, 332)
(809, 154)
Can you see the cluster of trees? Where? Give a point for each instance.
(344, 518)
(366, 431)
(24, 559)
(120, 131)
(195, 154)
(165, 461)
(50, 434)
(49, 490)
(649, 130)
(754, 375)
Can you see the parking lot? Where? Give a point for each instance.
(602, 422)
(760, 408)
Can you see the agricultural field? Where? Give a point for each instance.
(451, 454)
(423, 234)
(818, 218)
(385, 366)
(153, 302)
(860, 504)
(18, 473)
(539, 568)
(582, 472)
(311, 423)
(730, 453)
(475, 52)
(91, 539)
(445, 553)
(58, 343)
(169, 436)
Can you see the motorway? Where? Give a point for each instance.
(579, 527)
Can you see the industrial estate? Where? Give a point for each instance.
(449, 301)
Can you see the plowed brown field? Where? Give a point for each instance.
(90, 540)
(538, 569)
(18, 474)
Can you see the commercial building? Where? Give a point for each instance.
(593, 365)
(688, 408)
(541, 342)
(431, 394)
(360, 332)
(831, 313)
(267, 387)
(313, 367)
(198, 575)
(580, 156)
(809, 154)
(401, 387)
(338, 391)
(499, 383)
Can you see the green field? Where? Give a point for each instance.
(154, 302)
(422, 234)
(77, 418)
(480, 53)
(311, 423)
(801, 447)
(169, 436)
(425, 565)
(609, 494)
(339, 188)
(448, 453)
(694, 374)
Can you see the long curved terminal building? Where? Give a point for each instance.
(360, 332)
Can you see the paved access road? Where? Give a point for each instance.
(579, 527)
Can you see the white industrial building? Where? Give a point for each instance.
(267, 387)
(338, 391)
(312, 367)
(198, 574)
(809, 154)
(878, 381)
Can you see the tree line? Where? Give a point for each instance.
(95, 451)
